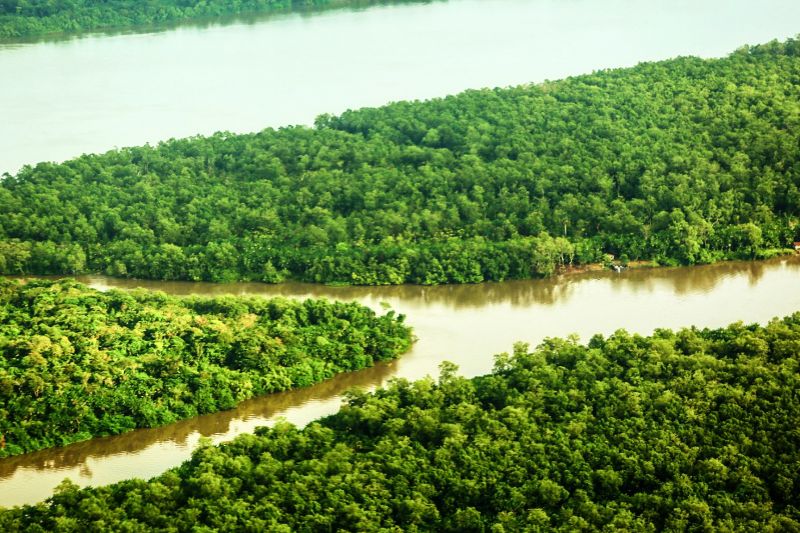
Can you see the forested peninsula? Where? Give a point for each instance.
(681, 431)
(77, 363)
(29, 18)
(682, 161)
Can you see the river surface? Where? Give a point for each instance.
(62, 98)
(465, 324)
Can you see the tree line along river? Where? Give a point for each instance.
(465, 324)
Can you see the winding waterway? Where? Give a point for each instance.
(465, 324)
(62, 98)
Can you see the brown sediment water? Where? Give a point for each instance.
(465, 324)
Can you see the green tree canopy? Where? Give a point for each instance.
(681, 161)
(688, 430)
(77, 363)
(26, 18)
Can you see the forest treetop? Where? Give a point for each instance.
(77, 363)
(694, 430)
(29, 18)
(681, 161)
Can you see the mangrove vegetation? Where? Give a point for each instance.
(694, 430)
(29, 18)
(76, 363)
(683, 161)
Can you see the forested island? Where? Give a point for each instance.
(683, 161)
(680, 431)
(29, 18)
(77, 363)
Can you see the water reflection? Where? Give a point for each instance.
(518, 293)
(181, 433)
(466, 324)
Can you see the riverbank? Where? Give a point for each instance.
(56, 21)
(600, 267)
(620, 266)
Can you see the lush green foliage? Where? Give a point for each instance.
(681, 161)
(24, 18)
(694, 430)
(77, 363)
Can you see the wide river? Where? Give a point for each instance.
(464, 324)
(62, 98)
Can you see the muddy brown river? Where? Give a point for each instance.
(465, 324)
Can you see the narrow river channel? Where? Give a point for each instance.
(62, 98)
(465, 324)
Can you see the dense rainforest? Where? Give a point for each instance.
(77, 363)
(695, 430)
(681, 161)
(27, 18)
